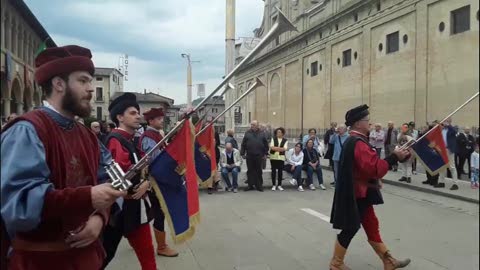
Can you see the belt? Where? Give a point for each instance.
(26, 245)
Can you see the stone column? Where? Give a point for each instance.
(6, 107)
(19, 108)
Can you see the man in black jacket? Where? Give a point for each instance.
(465, 147)
(255, 149)
(326, 141)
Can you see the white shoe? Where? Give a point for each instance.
(293, 182)
(274, 188)
(312, 187)
(280, 188)
(322, 187)
(300, 188)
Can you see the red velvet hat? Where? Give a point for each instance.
(152, 113)
(62, 60)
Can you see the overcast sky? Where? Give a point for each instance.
(153, 34)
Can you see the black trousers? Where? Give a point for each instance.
(254, 171)
(461, 165)
(277, 166)
(158, 215)
(432, 179)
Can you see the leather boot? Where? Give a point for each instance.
(337, 260)
(162, 247)
(389, 263)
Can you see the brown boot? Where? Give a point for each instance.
(162, 247)
(338, 255)
(389, 263)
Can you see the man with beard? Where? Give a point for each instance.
(147, 142)
(52, 207)
(132, 219)
(357, 190)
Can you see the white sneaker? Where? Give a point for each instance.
(312, 187)
(322, 187)
(293, 182)
(274, 188)
(280, 188)
(300, 188)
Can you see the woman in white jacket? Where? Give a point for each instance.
(294, 165)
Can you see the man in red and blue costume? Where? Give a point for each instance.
(52, 206)
(357, 190)
(131, 218)
(149, 139)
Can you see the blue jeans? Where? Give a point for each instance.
(310, 171)
(297, 173)
(234, 171)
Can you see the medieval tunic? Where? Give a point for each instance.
(49, 163)
(356, 190)
(133, 218)
(134, 212)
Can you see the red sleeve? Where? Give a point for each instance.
(119, 154)
(367, 163)
(65, 202)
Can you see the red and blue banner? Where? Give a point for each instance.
(205, 159)
(176, 186)
(432, 151)
(198, 126)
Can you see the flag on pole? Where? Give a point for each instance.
(205, 159)
(432, 151)
(176, 186)
(42, 47)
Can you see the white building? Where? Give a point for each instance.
(107, 82)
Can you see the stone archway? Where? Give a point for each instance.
(16, 97)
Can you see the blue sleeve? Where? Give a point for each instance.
(332, 139)
(24, 178)
(147, 145)
(304, 140)
(105, 159)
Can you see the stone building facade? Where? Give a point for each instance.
(407, 59)
(106, 82)
(21, 36)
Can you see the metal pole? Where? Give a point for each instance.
(189, 82)
(229, 53)
(412, 142)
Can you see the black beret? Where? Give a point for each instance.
(355, 114)
(121, 104)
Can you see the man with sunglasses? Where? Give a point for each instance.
(357, 189)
